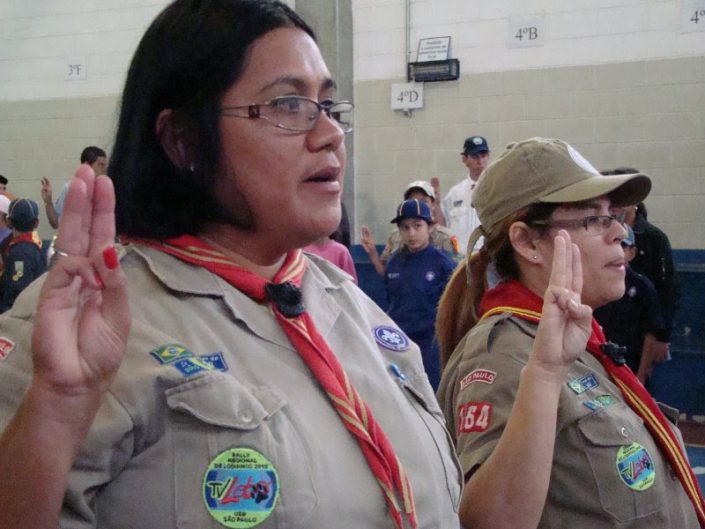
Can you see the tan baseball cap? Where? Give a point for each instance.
(548, 170)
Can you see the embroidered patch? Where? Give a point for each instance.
(581, 385)
(6, 347)
(606, 400)
(167, 354)
(19, 271)
(215, 360)
(603, 401)
(592, 405)
(635, 467)
(474, 417)
(391, 338)
(478, 375)
(191, 366)
(240, 488)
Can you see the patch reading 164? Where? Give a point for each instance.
(240, 488)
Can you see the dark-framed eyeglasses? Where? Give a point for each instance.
(593, 224)
(296, 113)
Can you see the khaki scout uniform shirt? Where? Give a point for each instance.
(586, 491)
(164, 421)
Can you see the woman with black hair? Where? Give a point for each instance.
(258, 387)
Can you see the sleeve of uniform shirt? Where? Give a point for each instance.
(448, 266)
(19, 272)
(393, 243)
(653, 320)
(483, 388)
(666, 285)
(59, 204)
(446, 205)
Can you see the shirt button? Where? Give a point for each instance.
(246, 416)
(624, 432)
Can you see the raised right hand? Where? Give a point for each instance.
(367, 240)
(46, 190)
(566, 324)
(83, 317)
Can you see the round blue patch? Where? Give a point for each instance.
(391, 338)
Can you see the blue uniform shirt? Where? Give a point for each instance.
(415, 282)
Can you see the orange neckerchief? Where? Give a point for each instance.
(515, 298)
(28, 236)
(285, 297)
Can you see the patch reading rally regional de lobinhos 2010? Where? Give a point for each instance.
(240, 488)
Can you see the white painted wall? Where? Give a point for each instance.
(41, 35)
(37, 37)
(578, 32)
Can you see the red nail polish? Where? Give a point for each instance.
(99, 280)
(110, 258)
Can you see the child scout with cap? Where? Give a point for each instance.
(415, 278)
(24, 261)
(552, 428)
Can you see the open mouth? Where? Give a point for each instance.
(328, 174)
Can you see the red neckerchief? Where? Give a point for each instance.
(27, 236)
(515, 298)
(288, 309)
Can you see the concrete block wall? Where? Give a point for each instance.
(620, 79)
(646, 114)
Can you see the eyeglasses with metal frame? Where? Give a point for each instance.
(296, 113)
(593, 224)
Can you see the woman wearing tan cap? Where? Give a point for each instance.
(242, 383)
(551, 427)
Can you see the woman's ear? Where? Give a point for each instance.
(524, 240)
(176, 134)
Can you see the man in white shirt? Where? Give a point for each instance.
(459, 214)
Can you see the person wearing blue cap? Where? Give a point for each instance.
(635, 320)
(415, 277)
(24, 261)
(460, 216)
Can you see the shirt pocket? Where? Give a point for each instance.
(433, 419)
(459, 213)
(215, 413)
(607, 433)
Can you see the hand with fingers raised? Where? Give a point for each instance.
(83, 316)
(78, 341)
(566, 323)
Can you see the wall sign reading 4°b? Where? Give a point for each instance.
(524, 32)
(692, 15)
(240, 488)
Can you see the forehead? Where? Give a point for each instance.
(411, 221)
(286, 57)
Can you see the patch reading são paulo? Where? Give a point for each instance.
(240, 488)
